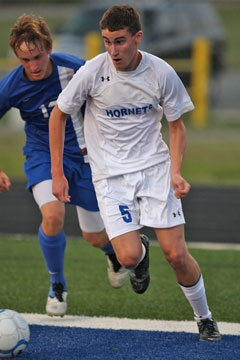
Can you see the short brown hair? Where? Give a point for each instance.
(118, 17)
(30, 29)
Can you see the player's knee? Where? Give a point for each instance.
(129, 261)
(98, 240)
(176, 259)
(53, 223)
(94, 240)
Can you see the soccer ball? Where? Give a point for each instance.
(14, 333)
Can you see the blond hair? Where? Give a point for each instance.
(30, 29)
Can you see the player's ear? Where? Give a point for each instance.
(139, 36)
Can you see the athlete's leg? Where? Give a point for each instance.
(128, 248)
(132, 249)
(133, 252)
(52, 239)
(172, 242)
(52, 242)
(120, 213)
(92, 227)
(94, 232)
(51, 235)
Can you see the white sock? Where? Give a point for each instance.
(197, 299)
(143, 253)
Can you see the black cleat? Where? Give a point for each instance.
(208, 330)
(140, 277)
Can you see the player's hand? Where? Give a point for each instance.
(180, 185)
(5, 182)
(60, 188)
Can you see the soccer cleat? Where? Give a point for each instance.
(140, 277)
(117, 274)
(57, 300)
(208, 330)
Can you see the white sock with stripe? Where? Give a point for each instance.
(197, 298)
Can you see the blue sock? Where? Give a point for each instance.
(53, 249)
(108, 249)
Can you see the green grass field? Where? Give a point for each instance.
(24, 283)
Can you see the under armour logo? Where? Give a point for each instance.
(178, 213)
(105, 78)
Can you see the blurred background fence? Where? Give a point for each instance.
(211, 162)
(212, 214)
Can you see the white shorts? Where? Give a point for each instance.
(143, 198)
(89, 221)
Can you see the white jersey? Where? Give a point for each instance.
(123, 112)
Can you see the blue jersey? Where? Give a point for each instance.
(35, 101)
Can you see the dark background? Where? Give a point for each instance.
(212, 214)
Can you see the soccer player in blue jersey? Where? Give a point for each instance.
(33, 88)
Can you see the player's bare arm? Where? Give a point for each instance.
(57, 124)
(177, 137)
(5, 183)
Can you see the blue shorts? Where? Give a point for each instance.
(37, 168)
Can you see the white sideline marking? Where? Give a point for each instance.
(125, 323)
(206, 245)
(213, 246)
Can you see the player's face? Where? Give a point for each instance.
(123, 48)
(35, 60)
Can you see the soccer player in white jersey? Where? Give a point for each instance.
(33, 88)
(137, 181)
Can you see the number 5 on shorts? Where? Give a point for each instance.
(125, 213)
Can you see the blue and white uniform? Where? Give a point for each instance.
(35, 101)
(124, 111)
(129, 159)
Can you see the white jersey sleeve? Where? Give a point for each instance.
(174, 100)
